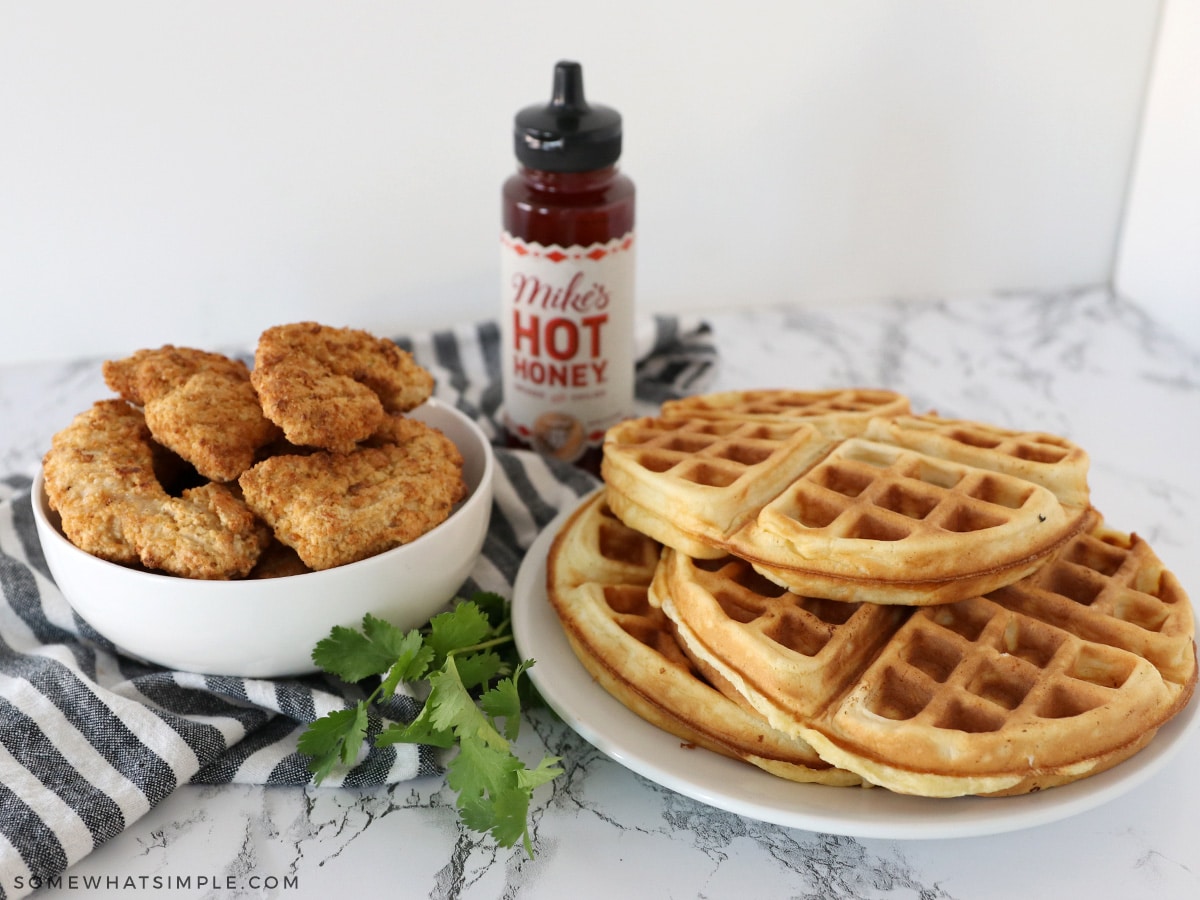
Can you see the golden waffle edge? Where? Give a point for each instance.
(598, 572)
(891, 508)
(1060, 676)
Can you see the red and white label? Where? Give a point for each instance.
(567, 326)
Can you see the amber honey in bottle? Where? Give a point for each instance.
(567, 277)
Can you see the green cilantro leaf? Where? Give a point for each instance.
(334, 738)
(455, 709)
(547, 770)
(412, 663)
(494, 608)
(503, 702)
(464, 627)
(354, 655)
(481, 769)
(483, 776)
(419, 731)
(478, 669)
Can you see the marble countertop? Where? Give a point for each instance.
(1083, 363)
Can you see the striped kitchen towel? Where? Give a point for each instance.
(90, 740)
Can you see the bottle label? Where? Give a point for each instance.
(568, 356)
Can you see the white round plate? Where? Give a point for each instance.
(743, 789)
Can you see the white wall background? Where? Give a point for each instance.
(1159, 257)
(192, 172)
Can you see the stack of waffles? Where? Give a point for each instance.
(837, 590)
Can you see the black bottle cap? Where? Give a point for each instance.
(567, 135)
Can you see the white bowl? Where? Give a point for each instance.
(267, 628)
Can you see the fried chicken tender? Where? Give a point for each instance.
(199, 404)
(278, 561)
(100, 478)
(331, 387)
(337, 508)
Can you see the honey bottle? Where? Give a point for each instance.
(567, 277)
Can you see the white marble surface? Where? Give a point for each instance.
(1082, 363)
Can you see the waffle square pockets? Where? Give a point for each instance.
(840, 591)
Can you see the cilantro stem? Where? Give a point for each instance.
(484, 645)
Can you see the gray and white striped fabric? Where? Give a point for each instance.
(91, 740)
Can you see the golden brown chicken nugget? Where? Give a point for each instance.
(278, 561)
(337, 508)
(93, 464)
(100, 478)
(199, 404)
(330, 387)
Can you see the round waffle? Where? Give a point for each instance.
(888, 509)
(839, 412)
(598, 572)
(1059, 676)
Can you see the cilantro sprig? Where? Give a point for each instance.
(475, 700)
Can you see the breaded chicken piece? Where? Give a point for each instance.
(330, 387)
(100, 478)
(199, 404)
(336, 508)
(94, 464)
(278, 561)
